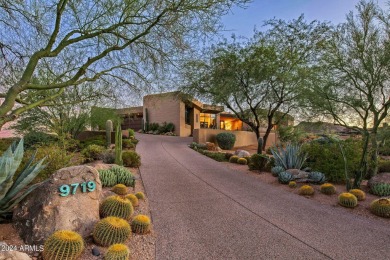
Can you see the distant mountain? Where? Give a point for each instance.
(322, 128)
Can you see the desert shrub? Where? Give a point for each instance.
(327, 158)
(166, 127)
(384, 166)
(134, 141)
(131, 159)
(108, 156)
(93, 152)
(154, 126)
(226, 140)
(56, 158)
(384, 150)
(36, 138)
(96, 140)
(258, 162)
(131, 132)
(127, 144)
(228, 155)
(220, 157)
(5, 143)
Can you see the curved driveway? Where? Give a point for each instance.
(203, 210)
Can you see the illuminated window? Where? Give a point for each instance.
(208, 120)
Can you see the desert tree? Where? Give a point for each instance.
(89, 40)
(352, 86)
(259, 80)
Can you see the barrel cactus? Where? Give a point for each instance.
(234, 159)
(123, 176)
(359, 194)
(285, 177)
(107, 177)
(116, 206)
(380, 189)
(133, 199)
(242, 161)
(381, 207)
(347, 200)
(292, 184)
(111, 230)
(117, 252)
(140, 195)
(120, 189)
(63, 244)
(328, 189)
(276, 170)
(306, 190)
(140, 224)
(317, 177)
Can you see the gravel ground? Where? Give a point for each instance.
(141, 246)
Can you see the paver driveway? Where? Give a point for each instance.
(203, 210)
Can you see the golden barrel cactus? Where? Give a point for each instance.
(63, 244)
(347, 200)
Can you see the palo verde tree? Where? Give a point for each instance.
(88, 40)
(352, 85)
(260, 80)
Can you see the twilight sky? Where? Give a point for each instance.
(242, 21)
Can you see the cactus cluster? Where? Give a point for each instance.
(328, 189)
(380, 189)
(276, 170)
(140, 195)
(123, 176)
(116, 206)
(109, 129)
(381, 207)
(347, 200)
(140, 224)
(234, 159)
(117, 252)
(63, 244)
(306, 190)
(317, 177)
(285, 177)
(242, 161)
(111, 230)
(120, 189)
(107, 177)
(359, 194)
(118, 144)
(292, 184)
(133, 199)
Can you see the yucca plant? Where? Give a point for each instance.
(10, 190)
(289, 157)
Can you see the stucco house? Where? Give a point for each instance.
(190, 117)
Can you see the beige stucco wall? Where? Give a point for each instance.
(163, 108)
(243, 138)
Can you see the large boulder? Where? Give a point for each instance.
(8, 252)
(383, 177)
(242, 153)
(45, 211)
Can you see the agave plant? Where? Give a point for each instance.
(10, 190)
(289, 157)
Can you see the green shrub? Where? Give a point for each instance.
(384, 150)
(108, 156)
(327, 158)
(226, 140)
(383, 166)
(5, 143)
(36, 138)
(220, 157)
(134, 141)
(96, 140)
(154, 126)
(131, 159)
(166, 127)
(131, 132)
(93, 152)
(56, 158)
(127, 144)
(258, 162)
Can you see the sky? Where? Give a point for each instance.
(242, 22)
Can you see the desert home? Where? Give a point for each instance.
(190, 117)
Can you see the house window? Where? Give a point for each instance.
(207, 120)
(188, 111)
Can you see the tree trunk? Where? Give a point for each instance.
(363, 162)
